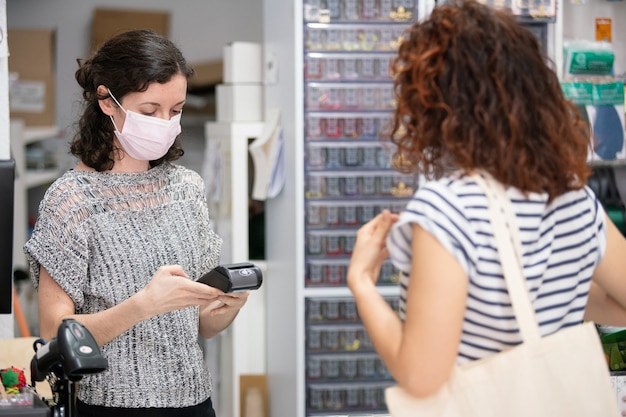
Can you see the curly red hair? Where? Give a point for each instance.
(474, 90)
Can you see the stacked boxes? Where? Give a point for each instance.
(108, 22)
(32, 71)
(240, 97)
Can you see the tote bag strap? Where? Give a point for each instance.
(507, 238)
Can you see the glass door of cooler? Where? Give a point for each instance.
(348, 104)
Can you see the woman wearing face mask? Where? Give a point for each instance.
(121, 238)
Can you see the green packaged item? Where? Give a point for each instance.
(588, 58)
(580, 92)
(594, 93)
(608, 93)
(590, 63)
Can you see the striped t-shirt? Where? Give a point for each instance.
(562, 242)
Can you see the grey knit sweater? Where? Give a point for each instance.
(101, 236)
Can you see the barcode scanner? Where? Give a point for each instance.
(236, 277)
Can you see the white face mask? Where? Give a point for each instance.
(146, 138)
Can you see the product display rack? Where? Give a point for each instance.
(348, 179)
(335, 97)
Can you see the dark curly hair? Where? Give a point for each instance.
(128, 62)
(474, 90)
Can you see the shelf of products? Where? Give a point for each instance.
(343, 372)
(348, 179)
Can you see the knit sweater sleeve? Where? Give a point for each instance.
(58, 243)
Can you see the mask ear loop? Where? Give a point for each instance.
(114, 99)
(120, 106)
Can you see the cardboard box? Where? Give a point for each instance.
(206, 74)
(253, 395)
(107, 22)
(32, 74)
(239, 103)
(243, 63)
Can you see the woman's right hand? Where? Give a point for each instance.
(171, 289)
(370, 250)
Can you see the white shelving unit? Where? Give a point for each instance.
(25, 179)
(242, 346)
(292, 293)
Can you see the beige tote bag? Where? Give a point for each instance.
(561, 375)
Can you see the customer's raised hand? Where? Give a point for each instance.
(370, 250)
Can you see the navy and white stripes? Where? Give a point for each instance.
(561, 244)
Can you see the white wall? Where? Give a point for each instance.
(200, 28)
(284, 220)
(4, 83)
(6, 320)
